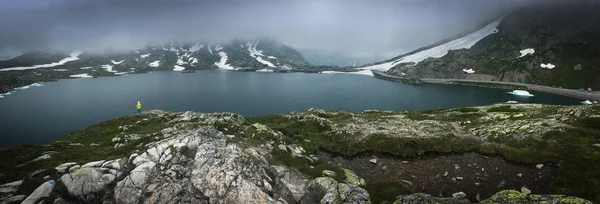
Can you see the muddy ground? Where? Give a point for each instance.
(443, 175)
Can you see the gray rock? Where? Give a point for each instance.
(86, 181)
(459, 195)
(329, 173)
(41, 192)
(11, 199)
(577, 67)
(327, 190)
(293, 180)
(64, 167)
(373, 161)
(10, 187)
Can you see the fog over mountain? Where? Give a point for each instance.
(355, 28)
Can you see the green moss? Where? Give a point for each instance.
(466, 110)
(503, 109)
(387, 190)
(14, 159)
(313, 169)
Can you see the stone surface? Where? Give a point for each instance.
(459, 195)
(41, 192)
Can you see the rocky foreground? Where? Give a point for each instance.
(188, 157)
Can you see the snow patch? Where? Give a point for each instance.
(60, 70)
(193, 60)
(587, 102)
(146, 55)
(218, 48)
(222, 63)
(520, 93)
(86, 68)
(265, 62)
(528, 51)
(252, 49)
(178, 68)
(180, 61)
(196, 47)
(108, 68)
(154, 64)
(81, 76)
(264, 70)
(117, 62)
(210, 50)
(121, 73)
(257, 53)
(73, 56)
(468, 71)
(465, 42)
(271, 57)
(548, 66)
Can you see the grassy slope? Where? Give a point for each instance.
(572, 148)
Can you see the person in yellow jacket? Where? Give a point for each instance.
(139, 107)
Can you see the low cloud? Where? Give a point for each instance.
(353, 27)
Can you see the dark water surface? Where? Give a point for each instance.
(42, 114)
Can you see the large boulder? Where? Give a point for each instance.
(40, 193)
(89, 184)
(328, 190)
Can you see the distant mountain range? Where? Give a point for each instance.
(556, 45)
(264, 53)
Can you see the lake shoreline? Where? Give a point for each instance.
(501, 85)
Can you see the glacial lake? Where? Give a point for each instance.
(42, 114)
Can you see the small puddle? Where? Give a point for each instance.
(483, 175)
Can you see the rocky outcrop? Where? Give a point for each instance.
(328, 190)
(191, 162)
(222, 158)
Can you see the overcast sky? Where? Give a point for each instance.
(362, 28)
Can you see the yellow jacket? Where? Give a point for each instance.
(139, 105)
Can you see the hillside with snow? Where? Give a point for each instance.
(256, 54)
(540, 45)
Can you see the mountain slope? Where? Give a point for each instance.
(39, 66)
(555, 45)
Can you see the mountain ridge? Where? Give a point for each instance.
(558, 41)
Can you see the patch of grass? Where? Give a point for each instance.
(572, 148)
(100, 134)
(503, 109)
(466, 110)
(387, 190)
(281, 157)
(592, 123)
(417, 116)
(415, 146)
